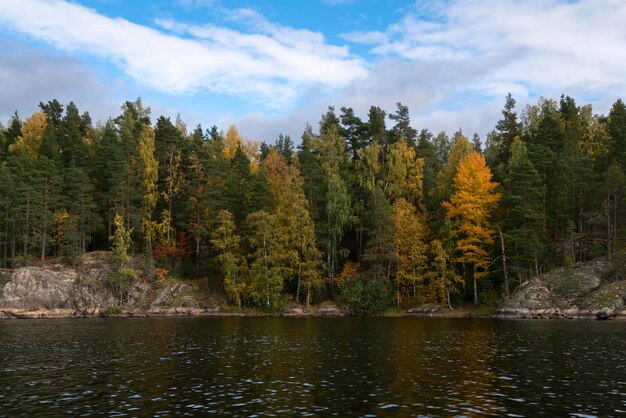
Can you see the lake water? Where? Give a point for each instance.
(311, 367)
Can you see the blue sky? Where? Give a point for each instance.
(273, 66)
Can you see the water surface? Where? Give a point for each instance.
(311, 367)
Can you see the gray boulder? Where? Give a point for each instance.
(176, 294)
(36, 288)
(604, 313)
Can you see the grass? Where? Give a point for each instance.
(231, 309)
(115, 310)
(391, 311)
(482, 311)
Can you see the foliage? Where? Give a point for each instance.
(357, 201)
(232, 263)
(470, 207)
(120, 244)
(365, 294)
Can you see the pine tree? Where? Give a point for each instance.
(526, 218)
(402, 129)
(507, 129)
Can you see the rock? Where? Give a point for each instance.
(18, 313)
(297, 311)
(39, 288)
(85, 291)
(176, 294)
(428, 310)
(604, 313)
(54, 291)
(581, 293)
(330, 309)
(188, 302)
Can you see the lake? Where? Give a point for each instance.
(275, 366)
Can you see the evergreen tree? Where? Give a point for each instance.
(526, 219)
(402, 128)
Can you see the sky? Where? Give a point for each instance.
(271, 67)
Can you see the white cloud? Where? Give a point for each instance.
(273, 65)
(543, 44)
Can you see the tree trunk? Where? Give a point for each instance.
(607, 209)
(26, 227)
(6, 235)
(504, 266)
(45, 223)
(267, 281)
(299, 281)
(329, 264)
(475, 286)
(13, 248)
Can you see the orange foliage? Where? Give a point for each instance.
(350, 269)
(249, 147)
(471, 206)
(180, 250)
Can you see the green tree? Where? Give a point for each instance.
(442, 275)
(121, 243)
(526, 218)
(233, 265)
(266, 267)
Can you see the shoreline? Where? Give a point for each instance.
(459, 313)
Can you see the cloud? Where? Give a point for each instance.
(543, 45)
(272, 65)
(423, 87)
(30, 75)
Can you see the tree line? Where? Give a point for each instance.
(370, 212)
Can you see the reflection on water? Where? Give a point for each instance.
(311, 367)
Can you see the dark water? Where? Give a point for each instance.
(311, 367)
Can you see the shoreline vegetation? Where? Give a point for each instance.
(592, 290)
(363, 216)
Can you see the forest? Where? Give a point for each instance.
(369, 212)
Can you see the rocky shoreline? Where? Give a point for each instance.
(557, 313)
(593, 290)
(16, 313)
(56, 291)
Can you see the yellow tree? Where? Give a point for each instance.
(409, 249)
(30, 137)
(470, 207)
(249, 147)
(461, 149)
(296, 228)
(149, 172)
